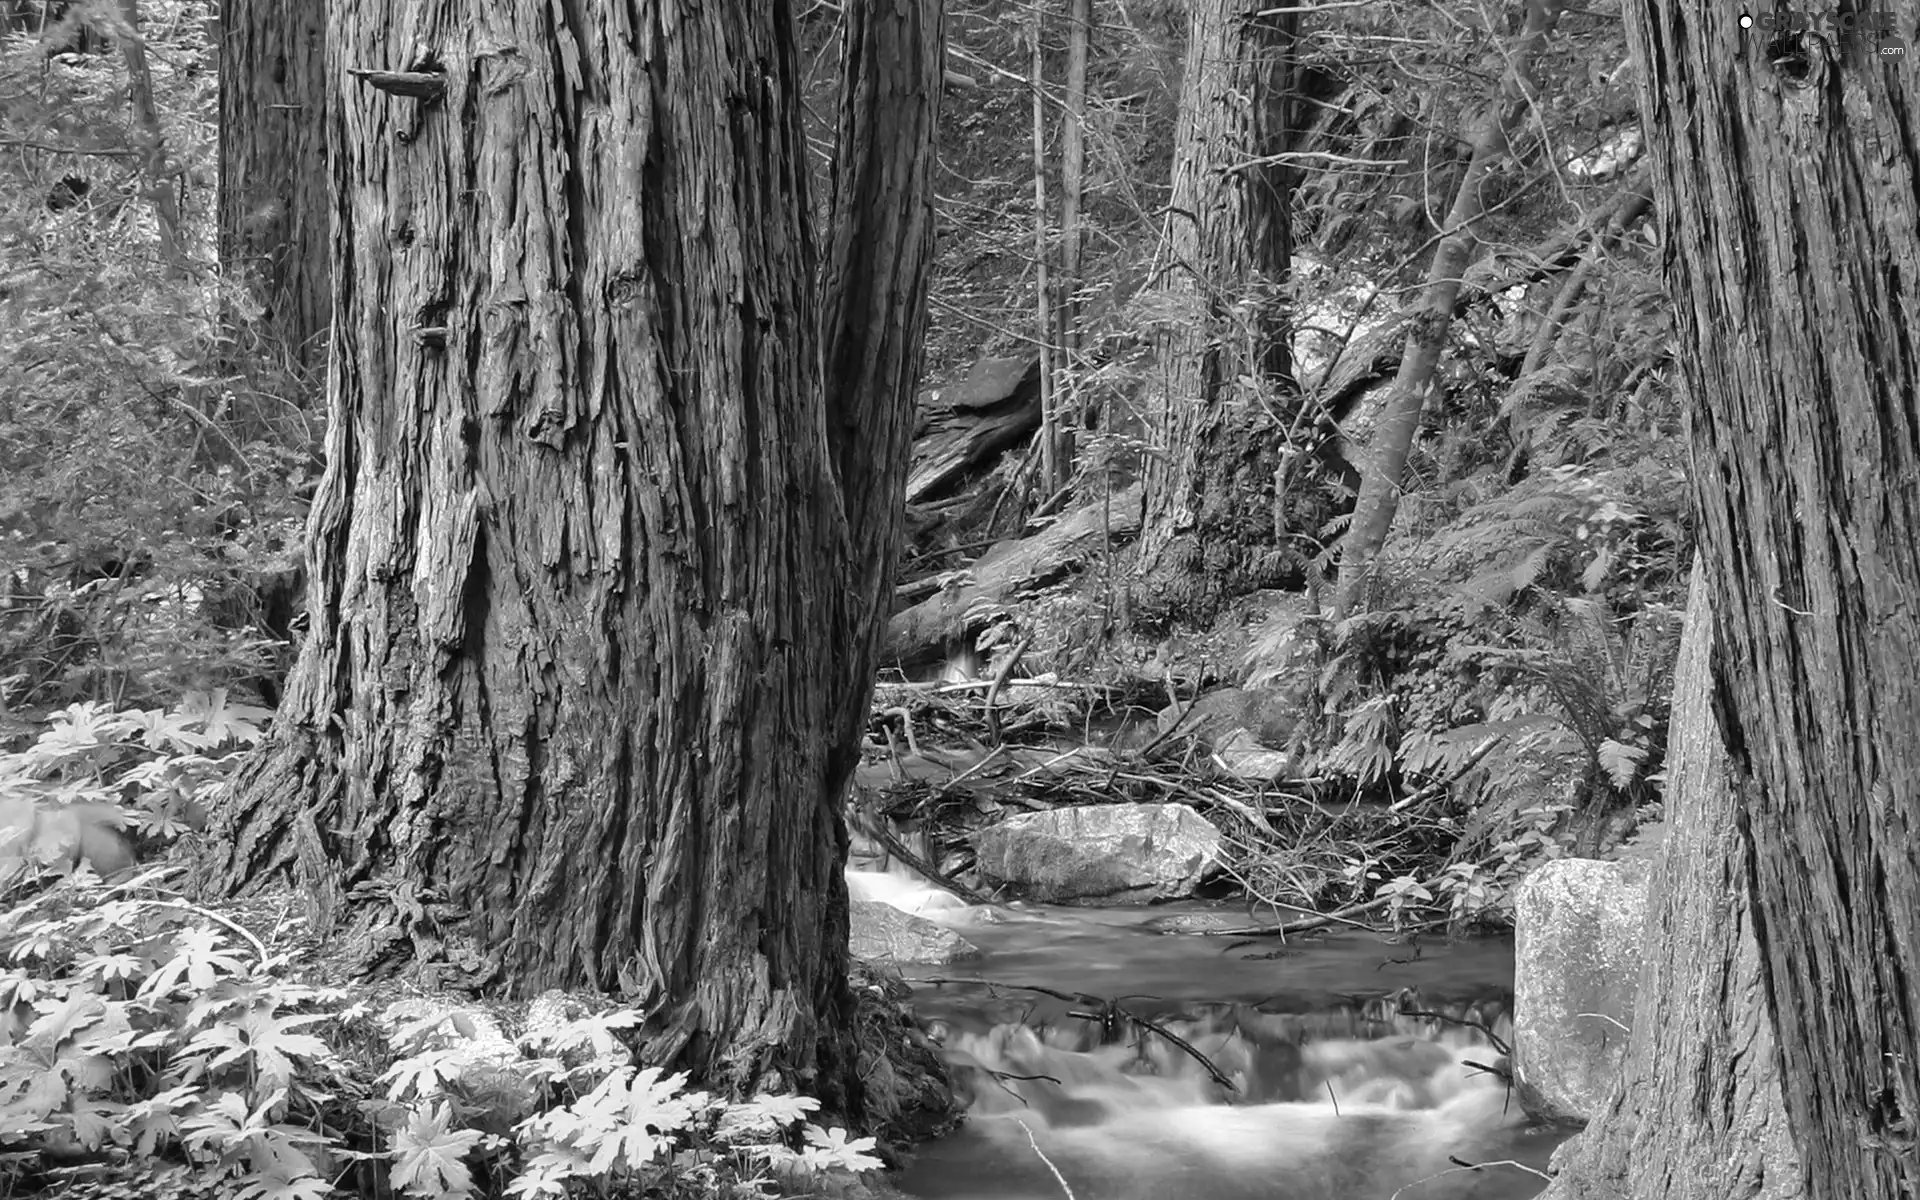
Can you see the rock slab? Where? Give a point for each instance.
(1112, 853)
(881, 933)
(1577, 954)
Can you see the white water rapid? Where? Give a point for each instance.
(1325, 1089)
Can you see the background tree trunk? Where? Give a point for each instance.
(1385, 467)
(1697, 1114)
(569, 714)
(1207, 535)
(274, 203)
(1785, 170)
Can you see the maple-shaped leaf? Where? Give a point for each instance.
(595, 1032)
(218, 1125)
(223, 721)
(547, 1174)
(97, 1122)
(113, 965)
(427, 1154)
(156, 1119)
(275, 1186)
(424, 1074)
(764, 1113)
(197, 959)
(79, 728)
(62, 1019)
(831, 1148)
(267, 1038)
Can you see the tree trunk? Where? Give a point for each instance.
(274, 201)
(572, 710)
(1210, 530)
(163, 187)
(874, 306)
(1053, 472)
(1073, 187)
(1784, 169)
(1697, 1114)
(1399, 421)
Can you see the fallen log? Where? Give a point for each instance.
(996, 407)
(922, 633)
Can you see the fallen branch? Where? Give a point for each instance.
(877, 827)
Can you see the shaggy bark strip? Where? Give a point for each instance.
(573, 708)
(1785, 170)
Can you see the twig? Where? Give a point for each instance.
(1183, 1044)
(1465, 1023)
(1459, 1166)
(1302, 926)
(1058, 1177)
(259, 947)
(971, 771)
(999, 681)
(906, 721)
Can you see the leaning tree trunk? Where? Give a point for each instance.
(1785, 169)
(274, 202)
(571, 712)
(1399, 421)
(1210, 530)
(1697, 1112)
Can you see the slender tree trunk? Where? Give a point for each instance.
(1211, 530)
(1052, 470)
(1073, 170)
(163, 188)
(1785, 173)
(274, 203)
(1698, 1113)
(573, 708)
(1399, 422)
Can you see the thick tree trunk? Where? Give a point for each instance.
(1386, 460)
(1211, 527)
(572, 710)
(1785, 171)
(1697, 1114)
(274, 205)
(874, 306)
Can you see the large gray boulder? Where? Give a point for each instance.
(881, 933)
(1577, 953)
(1115, 853)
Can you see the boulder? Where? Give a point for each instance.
(881, 933)
(1577, 934)
(1116, 853)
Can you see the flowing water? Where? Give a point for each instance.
(1317, 1084)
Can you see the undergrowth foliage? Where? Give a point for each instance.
(148, 479)
(1505, 694)
(149, 1046)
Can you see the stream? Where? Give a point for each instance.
(1335, 1094)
